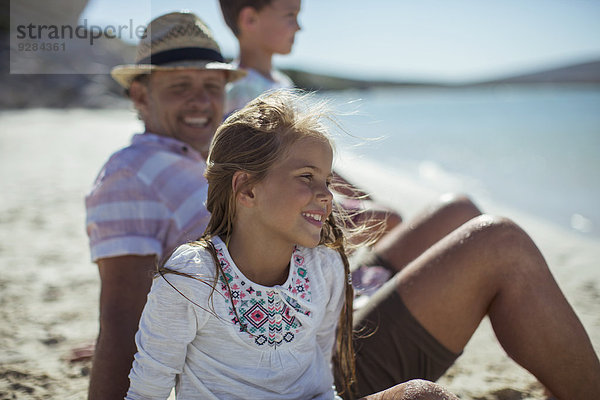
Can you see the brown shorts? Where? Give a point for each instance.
(391, 345)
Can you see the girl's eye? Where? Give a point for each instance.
(306, 177)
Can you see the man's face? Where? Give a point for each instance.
(184, 104)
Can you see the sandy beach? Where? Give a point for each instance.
(49, 288)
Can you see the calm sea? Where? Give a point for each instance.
(534, 148)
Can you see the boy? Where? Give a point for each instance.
(263, 28)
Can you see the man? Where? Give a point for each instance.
(149, 197)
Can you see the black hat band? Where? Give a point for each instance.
(182, 54)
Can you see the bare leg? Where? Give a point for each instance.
(413, 390)
(410, 239)
(490, 266)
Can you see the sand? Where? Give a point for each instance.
(49, 288)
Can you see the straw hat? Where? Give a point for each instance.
(179, 40)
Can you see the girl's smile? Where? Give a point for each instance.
(314, 217)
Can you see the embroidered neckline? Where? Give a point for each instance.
(268, 314)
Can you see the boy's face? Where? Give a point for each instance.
(277, 26)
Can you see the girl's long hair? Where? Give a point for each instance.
(252, 140)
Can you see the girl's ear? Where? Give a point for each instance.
(240, 185)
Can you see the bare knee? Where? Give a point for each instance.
(414, 390)
(506, 244)
(499, 230)
(459, 205)
(393, 219)
(419, 389)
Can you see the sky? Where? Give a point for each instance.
(417, 40)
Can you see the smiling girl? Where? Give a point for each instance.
(258, 307)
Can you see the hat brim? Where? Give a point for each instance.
(125, 74)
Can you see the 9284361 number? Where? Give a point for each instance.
(42, 46)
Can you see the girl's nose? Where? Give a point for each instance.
(324, 194)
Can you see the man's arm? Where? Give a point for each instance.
(342, 186)
(126, 281)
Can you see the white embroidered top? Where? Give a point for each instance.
(284, 352)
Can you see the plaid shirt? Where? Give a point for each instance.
(148, 199)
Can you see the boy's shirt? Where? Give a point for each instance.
(242, 91)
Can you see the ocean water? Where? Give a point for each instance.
(532, 148)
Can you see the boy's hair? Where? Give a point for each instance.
(231, 11)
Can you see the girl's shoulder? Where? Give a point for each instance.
(326, 259)
(189, 264)
(191, 258)
(326, 253)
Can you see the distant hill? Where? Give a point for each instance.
(584, 73)
(44, 89)
(314, 81)
(587, 72)
(42, 86)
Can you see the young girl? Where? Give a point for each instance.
(271, 276)
(250, 310)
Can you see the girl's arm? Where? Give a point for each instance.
(168, 324)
